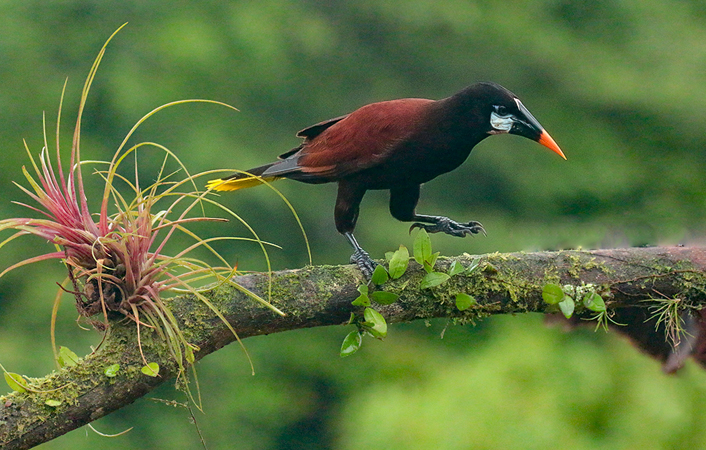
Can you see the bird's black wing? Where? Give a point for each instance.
(315, 130)
(310, 133)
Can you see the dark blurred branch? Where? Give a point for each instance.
(319, 296)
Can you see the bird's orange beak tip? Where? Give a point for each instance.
(546, 140)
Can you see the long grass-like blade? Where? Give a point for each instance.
(54, 255)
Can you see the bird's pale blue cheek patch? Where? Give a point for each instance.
(500, 124)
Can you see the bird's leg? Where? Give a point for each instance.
(440, 224)
(403, 201)
(360, 257)
(346, 215)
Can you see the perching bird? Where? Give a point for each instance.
(397, 145)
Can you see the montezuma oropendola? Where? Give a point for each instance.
(397, 145)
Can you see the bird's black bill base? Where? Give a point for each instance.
(361, 258)
(440, 224)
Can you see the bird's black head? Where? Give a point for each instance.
(503, 112)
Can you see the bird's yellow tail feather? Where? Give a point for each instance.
(237, 183)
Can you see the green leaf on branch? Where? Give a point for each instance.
(430, 262)
(399, 262)
(15, 381)
(594, 302)
(474, 265)
(384, 298)
(151, 369)
(67, 358)
(422, 247)
(351, 343)
(433, 279)
(464, 301)
(456, 268)
(380, 275)
(375, 322)
(189, 355)
(552, 293)
(363, 299)
(567, 307)
(112, 370)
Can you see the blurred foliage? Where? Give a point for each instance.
(619, 85)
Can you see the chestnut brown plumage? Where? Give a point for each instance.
(397, 145)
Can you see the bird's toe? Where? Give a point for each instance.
(474, 227)
(417, 225)
(364, 263)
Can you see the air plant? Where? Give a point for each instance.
(115, 258)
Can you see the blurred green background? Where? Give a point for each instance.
(621, 86)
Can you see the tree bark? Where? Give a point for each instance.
(632, 282)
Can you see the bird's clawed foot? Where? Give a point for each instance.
(448, 226)
(364, 263)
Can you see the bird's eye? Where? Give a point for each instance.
(501, 110)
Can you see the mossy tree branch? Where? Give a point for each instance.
(319, 296)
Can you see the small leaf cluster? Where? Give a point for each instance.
(463, 300)
(566, 299)
(20, 384)
(65, 358)
(372, 322)
(380, 277)
(424, 256)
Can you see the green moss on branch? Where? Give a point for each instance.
(320, 296)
